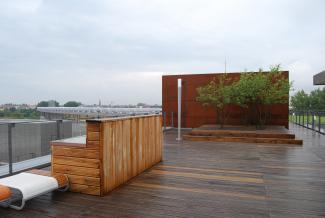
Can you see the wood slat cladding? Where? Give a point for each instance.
(80, 163)
(74, 152)
(116, 150)
(74, 170)
(130, 146)
(93, 135)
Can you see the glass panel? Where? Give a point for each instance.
(31, 142)
(4, 157)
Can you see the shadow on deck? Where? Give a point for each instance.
(209, 179)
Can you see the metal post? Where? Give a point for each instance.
(164, 114)
(172, 119)
(10, 126)
(179, 86)
(319, 121)
(313, 121)
(58, 129)
(303, 118)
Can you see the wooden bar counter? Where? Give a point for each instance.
(113, 151)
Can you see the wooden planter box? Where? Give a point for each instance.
(113, 151)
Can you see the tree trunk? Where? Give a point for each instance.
(220, 117)
(222, 120)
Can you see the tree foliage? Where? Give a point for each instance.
(317, 99)
(20, 113)
(304, 101)
(262, 88)
(258, 90)
(216, 94)
(43, 104)
(72, 104)
(47, 103)
(254, 90)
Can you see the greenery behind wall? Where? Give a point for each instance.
(14, 113)
(315, 101)
(253, 92)
(32, 113)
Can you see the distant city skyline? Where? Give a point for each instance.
(117, 51)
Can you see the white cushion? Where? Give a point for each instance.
(30, 184)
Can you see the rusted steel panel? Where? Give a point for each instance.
(195, 115)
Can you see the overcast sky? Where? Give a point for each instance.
(117, 50)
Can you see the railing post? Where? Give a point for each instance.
(172, 119)
(58, 129)
(319, 119)
(164, 114)
(313, 120)
(10, 126)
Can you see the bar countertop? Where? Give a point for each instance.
(79, 141)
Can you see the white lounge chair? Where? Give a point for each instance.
(24, 186)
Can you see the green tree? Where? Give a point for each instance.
(47, 103)
(20, 113)
(304, 101)
(259, 90)
(317, 99)
(253, 92)
(216, 94)
(43, 104)
(72, 104)
(300, 101)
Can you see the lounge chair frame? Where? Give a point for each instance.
(23, 201)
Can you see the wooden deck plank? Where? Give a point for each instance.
(206, 179)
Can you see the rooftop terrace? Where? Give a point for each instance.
(209, 179)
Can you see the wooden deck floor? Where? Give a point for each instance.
(209, 179)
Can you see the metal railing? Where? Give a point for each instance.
(314, 120)
(26, 144)
(168, 119)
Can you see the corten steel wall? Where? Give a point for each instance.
(195, 115)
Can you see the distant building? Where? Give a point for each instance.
(319, 79)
